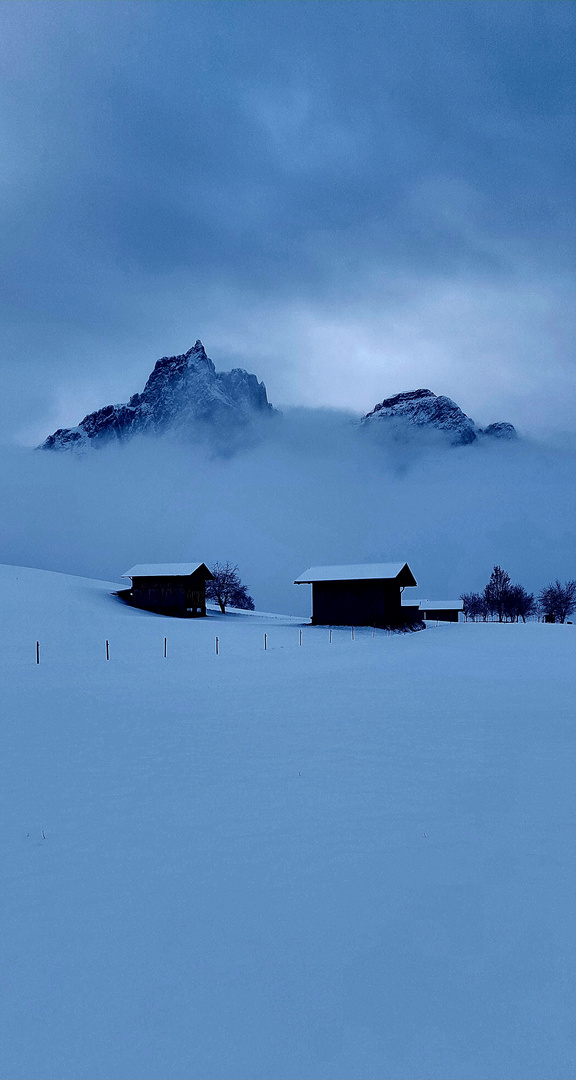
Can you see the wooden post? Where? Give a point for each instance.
(165, 647)
(107, 650)
(217, 644)
(330, 638)
(37, 652)
(300, 637)
(265, 642)
(374, 632)
(352, 633)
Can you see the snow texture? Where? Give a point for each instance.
(336, 860)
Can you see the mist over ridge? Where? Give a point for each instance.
(316, 487)
(187, 396)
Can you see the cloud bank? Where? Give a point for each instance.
(318, 489)
(348, 199)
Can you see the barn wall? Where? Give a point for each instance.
(442, 615)
(358, 603)
(183, 596)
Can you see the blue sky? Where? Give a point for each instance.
(348, 198)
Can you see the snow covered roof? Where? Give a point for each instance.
(432, 605)
(357, 572)
(174, 569)
(441, 605)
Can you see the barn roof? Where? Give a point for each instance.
(432, 605)
(174, 569)
(358, 572)
(440, 605)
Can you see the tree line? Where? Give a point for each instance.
(507, 602)
(227, 588)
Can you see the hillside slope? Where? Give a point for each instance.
(327, 860)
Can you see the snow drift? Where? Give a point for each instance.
(322, 860)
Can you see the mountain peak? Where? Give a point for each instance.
(425, 409)
(183, 393)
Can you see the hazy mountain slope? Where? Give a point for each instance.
(185, 394)
(424, 409)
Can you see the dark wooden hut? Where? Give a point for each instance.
(169, 588)
(364, 595)
(440, 610)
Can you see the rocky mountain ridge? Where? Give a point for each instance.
(184, 393)
(424, 409)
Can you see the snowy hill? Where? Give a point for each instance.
(327, 860)
(184, 393)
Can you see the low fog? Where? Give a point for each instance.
(316, 488)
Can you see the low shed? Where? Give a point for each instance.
(169, 588)
(368, 594)
(440, 610)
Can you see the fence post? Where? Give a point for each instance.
(265, 642)
(217, 644)
(300, 637)
(330, 638)
(352, 633)
(37, 652)
(107, 650)
(165, 647)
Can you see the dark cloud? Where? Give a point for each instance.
(259, 173)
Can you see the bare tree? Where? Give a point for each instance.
(497, 591)
(557, 601)
(474, 606)
(518, 604)
(500, 597)
(227, 588)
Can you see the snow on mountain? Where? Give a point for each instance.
(336, 859)
(424, 409)
(502, 430)
(186, 394)
(183, 393)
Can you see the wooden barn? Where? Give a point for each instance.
(364, 595)
(169, 588)
(441, 610)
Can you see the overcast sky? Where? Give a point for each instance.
(348, 198)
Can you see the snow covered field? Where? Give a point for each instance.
(327, 861)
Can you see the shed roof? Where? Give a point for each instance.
(358, 572)
(432, 605)
(441, 605)
(175, 569)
